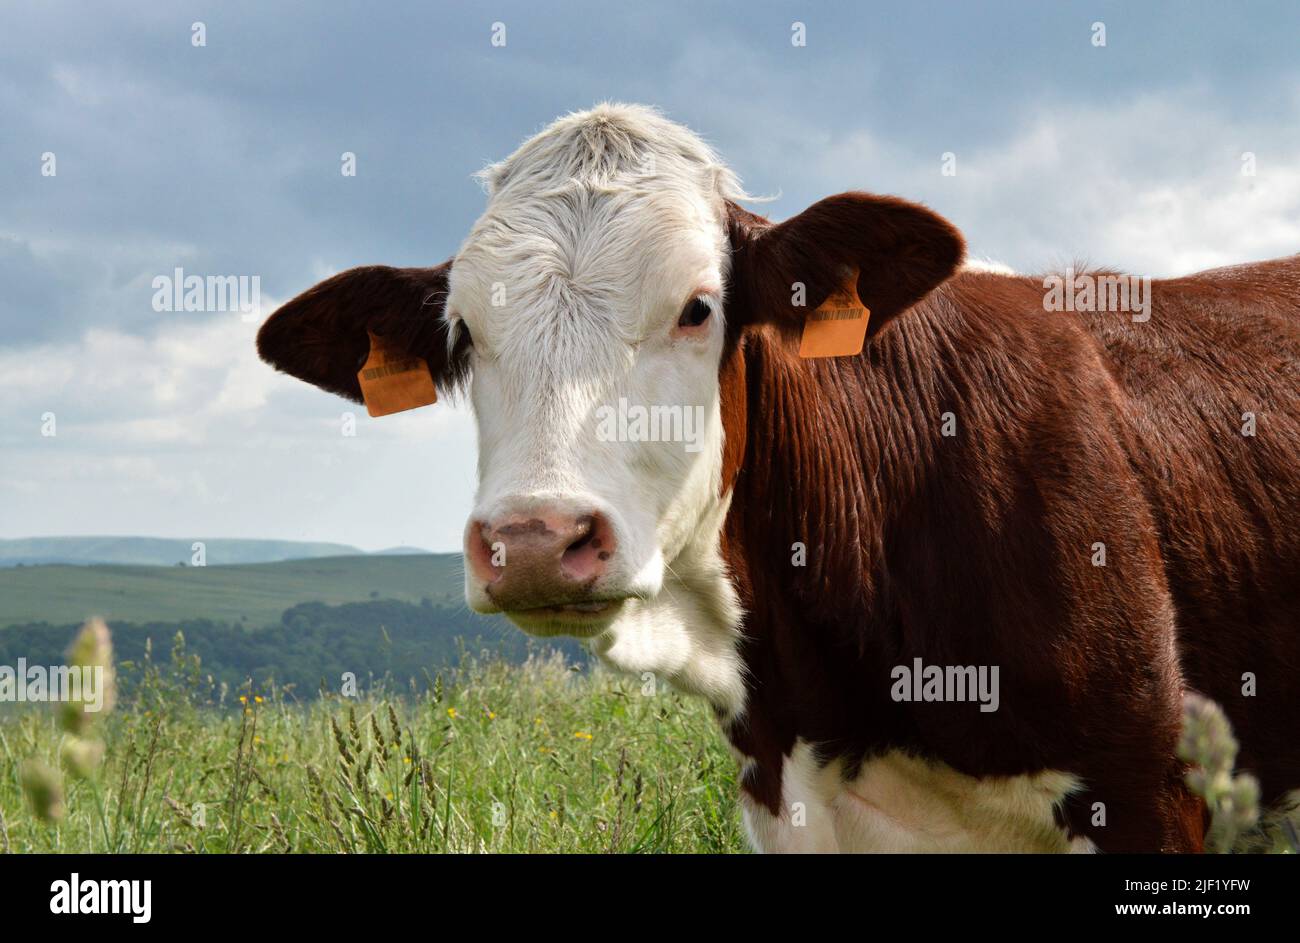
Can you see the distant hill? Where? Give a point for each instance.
(161, 551)
(309, 642)
(250, 594)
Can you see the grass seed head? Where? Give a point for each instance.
(43, 790)
(81, 757)
(91, 652)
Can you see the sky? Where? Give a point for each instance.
(1174, 146)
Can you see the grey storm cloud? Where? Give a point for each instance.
(225, 160)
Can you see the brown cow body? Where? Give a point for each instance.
(1105, 510)
(977, 548)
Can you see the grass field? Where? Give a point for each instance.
(543, 756)
(253, 593)
(532, 758)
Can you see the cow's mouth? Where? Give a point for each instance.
(579, 619)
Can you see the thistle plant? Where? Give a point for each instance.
(1209, 745)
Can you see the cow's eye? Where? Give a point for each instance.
(695, 313)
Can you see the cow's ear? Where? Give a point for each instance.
(900, 250)
(321, 336)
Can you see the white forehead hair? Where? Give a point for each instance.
(611, 148)
(591, 220)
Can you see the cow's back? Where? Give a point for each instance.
(1210, 391)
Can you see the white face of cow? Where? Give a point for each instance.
(592, 291)
(587, 311)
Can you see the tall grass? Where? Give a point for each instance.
(495, 758)
(490, 757)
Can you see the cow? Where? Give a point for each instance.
(1083, 514)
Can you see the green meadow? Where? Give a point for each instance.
(532, 757)
(254, 594)
(503, 747)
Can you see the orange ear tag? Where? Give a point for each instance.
(838, 327)
(393, 381)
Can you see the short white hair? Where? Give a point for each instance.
(611, 147)
(593, 208)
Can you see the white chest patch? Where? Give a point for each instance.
(900, 803)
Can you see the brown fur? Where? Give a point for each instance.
(976, 549)
(320, 336)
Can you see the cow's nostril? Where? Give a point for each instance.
(586, 531)
(585, 557)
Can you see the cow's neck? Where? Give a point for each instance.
(830, 448)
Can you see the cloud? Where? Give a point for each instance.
(224, 160)
(185, 432)
(1153, 184)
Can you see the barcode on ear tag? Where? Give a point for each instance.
(838, 326)
(393, 381)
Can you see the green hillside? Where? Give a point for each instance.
(160, 551)
(254, 594)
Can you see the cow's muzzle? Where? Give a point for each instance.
(547, 564)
